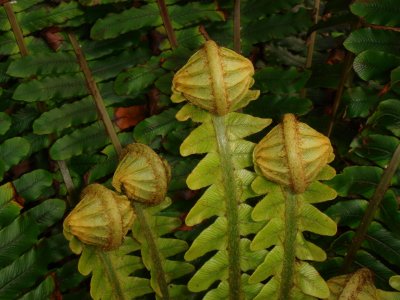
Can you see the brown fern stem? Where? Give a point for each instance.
(19, 37)
(94, 91)
(167, 24)
(236, 27)
(373, 205)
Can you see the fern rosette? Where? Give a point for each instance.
(291, 160)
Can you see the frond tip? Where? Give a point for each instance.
(142, 175)
(216, 79)
(292, 154)
(102, 218)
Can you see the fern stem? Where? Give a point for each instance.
(111, 274)
(69, 184)
(289, 245)
(167, 24)
(154, 252)
(373, 205)
(236, 27)
(19, 37)
(232, 213)
(311, 43)
(94, 91)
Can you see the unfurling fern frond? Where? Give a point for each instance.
(291, 160)
(98, 224)
(212, 80)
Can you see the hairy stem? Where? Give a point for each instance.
(111, 274)
(373, 205)
(154, 252)
(19, 37)
(232, 203)
(94, 91)
(101, 109)
(236, 27)
(289, 245)
(167, 24)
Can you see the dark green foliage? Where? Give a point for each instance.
(48, 114)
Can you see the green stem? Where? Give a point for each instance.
(373, 205)
(232, 203)
(167, 24)
(236, 27)
(19, 37)
(154, 252)
(289, 245)
(111, 274)
(69, 184)
(94, 91)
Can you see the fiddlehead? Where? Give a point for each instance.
(291, 160)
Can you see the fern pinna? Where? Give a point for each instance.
(216, 81)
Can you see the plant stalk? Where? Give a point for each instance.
(154, 253)
(232, 203)
(373, 205)
(94, 91)
(111, 274)
(236, 27)
(19, 37)
(167, 24)
(289, 245)
(118, 148)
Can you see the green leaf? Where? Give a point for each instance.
(32, 185)
(383, 242)
(278, 105)
(45, 16)
(43, 291)
(387, 115)
(381, 12)
(68, 115)
(8, 45)
(377, 148)
(356, 180)
(360, 101)
(81, 140)
(61, 87)
(115, 24)
(133, 82)
(199, 11)
(5, 122)
(347, 213)
(12, 151)
(372, 64)
(9, 208)
(21, 274)
(111, 66)
(98, 2)
(151, 130)
(277, 80)
(372, 39)
(43, 64)
(277, 26)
